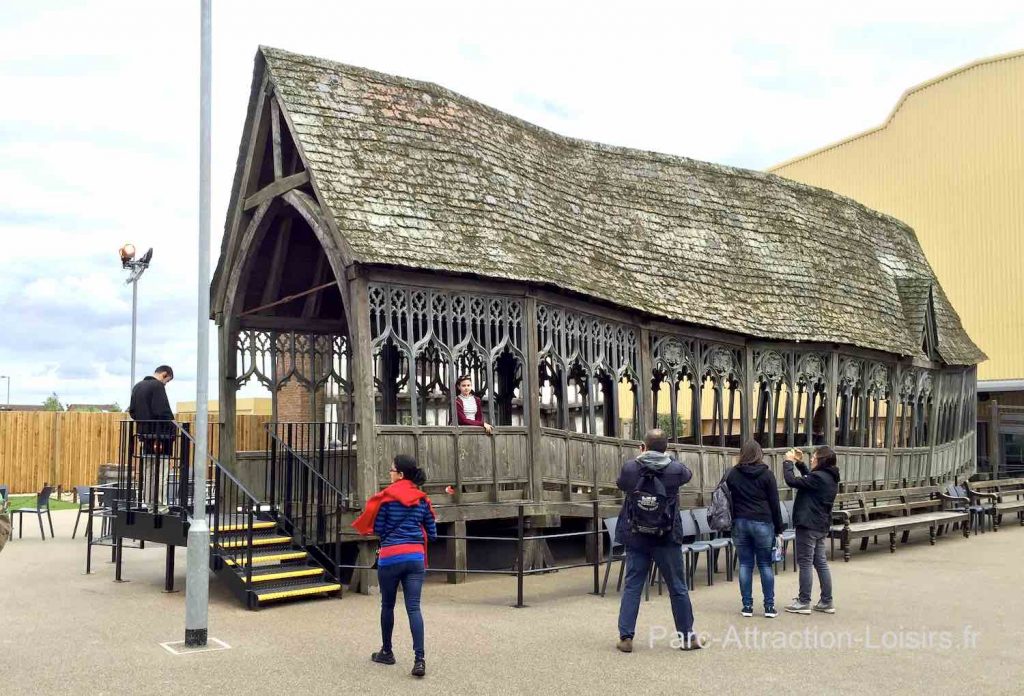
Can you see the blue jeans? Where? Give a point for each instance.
(638, 568)
(754, 540)
(411, 575)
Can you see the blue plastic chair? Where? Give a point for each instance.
(611, 523)
(42, 508)
(715, 540)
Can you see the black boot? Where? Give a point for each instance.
(419, 668)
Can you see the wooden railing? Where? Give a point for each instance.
(576, 466)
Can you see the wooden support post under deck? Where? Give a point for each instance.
(456, 551)
(591, 547)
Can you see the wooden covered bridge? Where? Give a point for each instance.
(385, 236)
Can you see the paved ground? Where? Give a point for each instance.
(61, 630)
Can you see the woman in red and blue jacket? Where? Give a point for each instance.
(402, 517)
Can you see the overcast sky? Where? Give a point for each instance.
(99, 124)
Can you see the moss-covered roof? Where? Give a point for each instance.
(415, 175)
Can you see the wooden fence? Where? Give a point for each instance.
(67, 449)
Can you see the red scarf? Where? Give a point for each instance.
(403, 491)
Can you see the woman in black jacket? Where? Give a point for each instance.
(812, 516)
(756, 521)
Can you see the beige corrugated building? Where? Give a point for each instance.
(949, 161)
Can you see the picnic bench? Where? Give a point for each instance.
(867, 514)
(1005, 495)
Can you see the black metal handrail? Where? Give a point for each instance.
(303, 459)
(154, 472)
(236, 510)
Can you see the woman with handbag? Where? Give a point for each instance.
(402, 517)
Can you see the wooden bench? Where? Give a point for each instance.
(1005, 495)
(892, 511)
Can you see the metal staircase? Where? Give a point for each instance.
(285, 543)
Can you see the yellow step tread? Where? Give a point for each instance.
(299, 592)
(285, 574)
(259, 541)
(260, 560)
(244, 527)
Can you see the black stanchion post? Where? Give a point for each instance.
(88, 531)
(337, 546)
(597, 550)
(520, 558)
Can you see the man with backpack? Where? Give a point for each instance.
(651, 531)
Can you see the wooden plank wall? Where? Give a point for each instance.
(39, 447)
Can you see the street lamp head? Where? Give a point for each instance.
(127, 253)
(146, 258)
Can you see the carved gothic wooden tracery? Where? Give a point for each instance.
(913, 408)
(319, 363)
(424, 339)
(582, 360)
(863, 400)
(790, 391)
(695, 371)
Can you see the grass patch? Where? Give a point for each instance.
(29, 501)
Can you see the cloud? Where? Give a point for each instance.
(98, 144)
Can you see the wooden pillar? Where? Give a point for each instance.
(456, 551)
(890, 423)
(993, 438)
(531, 395)
(747, 383)
(831, 393)
(366, 460)
(227, 388)
(643, 389)
(938, 390)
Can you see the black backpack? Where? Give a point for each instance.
(649, 509)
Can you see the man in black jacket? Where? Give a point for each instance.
(643, 548)
(149, 405)
(812, 516)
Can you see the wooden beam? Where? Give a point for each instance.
(277, 188)
(312, 303)
(273, 286)
(314, 326)
(289, 298)
(255, 127)
(252, 235)
(275, 127)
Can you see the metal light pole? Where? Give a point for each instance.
(136, 267)
(8, 378)
(197, 580)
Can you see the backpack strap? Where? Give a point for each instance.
(725, 475)
(659, 486)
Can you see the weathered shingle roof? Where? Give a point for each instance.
(415, 175)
